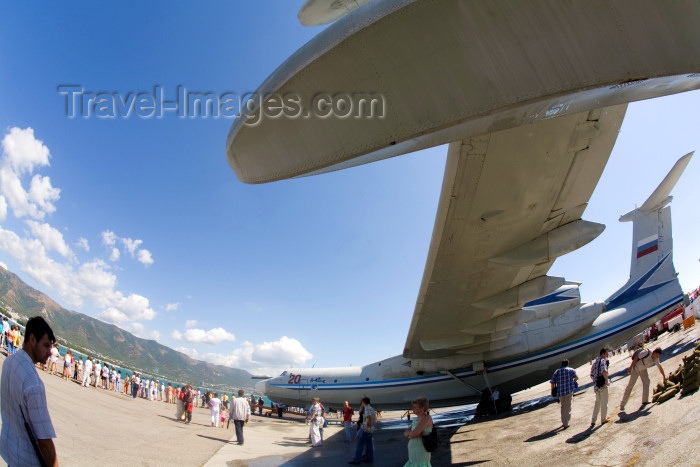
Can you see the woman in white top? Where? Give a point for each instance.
(214, 406)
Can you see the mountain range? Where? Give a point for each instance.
(114, 344)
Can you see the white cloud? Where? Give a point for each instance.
(112, 315)
(108, 238)
(268, 358)
(23, 151)
(125, 311)
(50, 238)
(131, 245)
(139, 330)
(75, 283)
(33, 259)
(21, 154)
(135, 307)
(114, 257)
(190, 323)
(173, 307)
(200, 336)
(22, 202)
(83, 243)
(283, 350)
(3, 208)
(41, 194)
(192, 353)
(144, 257)
(91, 281)
(4, 266)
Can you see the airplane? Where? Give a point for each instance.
(527, 344)
(531, 112)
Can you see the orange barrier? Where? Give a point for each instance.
(689, 321)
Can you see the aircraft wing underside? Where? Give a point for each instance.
(511, 202)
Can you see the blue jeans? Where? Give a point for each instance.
(365, 442)
(347, 431)
(238, 425)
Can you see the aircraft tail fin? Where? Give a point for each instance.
(652, 245)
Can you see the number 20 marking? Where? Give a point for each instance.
(294, 379)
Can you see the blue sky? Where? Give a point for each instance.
(141, 222)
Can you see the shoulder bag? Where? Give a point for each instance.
(431, 441)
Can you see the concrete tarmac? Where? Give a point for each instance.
(98, 427)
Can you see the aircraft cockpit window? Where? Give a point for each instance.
(284, 373)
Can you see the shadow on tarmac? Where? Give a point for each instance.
(545, 435)
(213, 438)
(625, 417)
(390, 449)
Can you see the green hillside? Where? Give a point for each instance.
(115, 344)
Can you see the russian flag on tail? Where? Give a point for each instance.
(647, 245)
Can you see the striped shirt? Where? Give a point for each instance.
(21, 386)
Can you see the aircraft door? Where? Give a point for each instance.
(303, 386)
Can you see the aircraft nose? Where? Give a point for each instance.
(261, 387)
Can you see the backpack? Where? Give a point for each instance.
(644, 359)
(597, 374)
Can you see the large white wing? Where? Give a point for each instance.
(406, 75)
(509, 206)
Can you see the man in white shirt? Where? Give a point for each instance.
(97, 371)
(87, 371)
(240, 414)
(105, 376)
(27, 432)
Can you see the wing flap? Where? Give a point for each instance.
(502, 190)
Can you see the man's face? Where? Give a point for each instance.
(40, 351)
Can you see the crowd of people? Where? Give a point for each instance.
(39, 348)
(421, 426)
(11, 336)
(91, 372)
